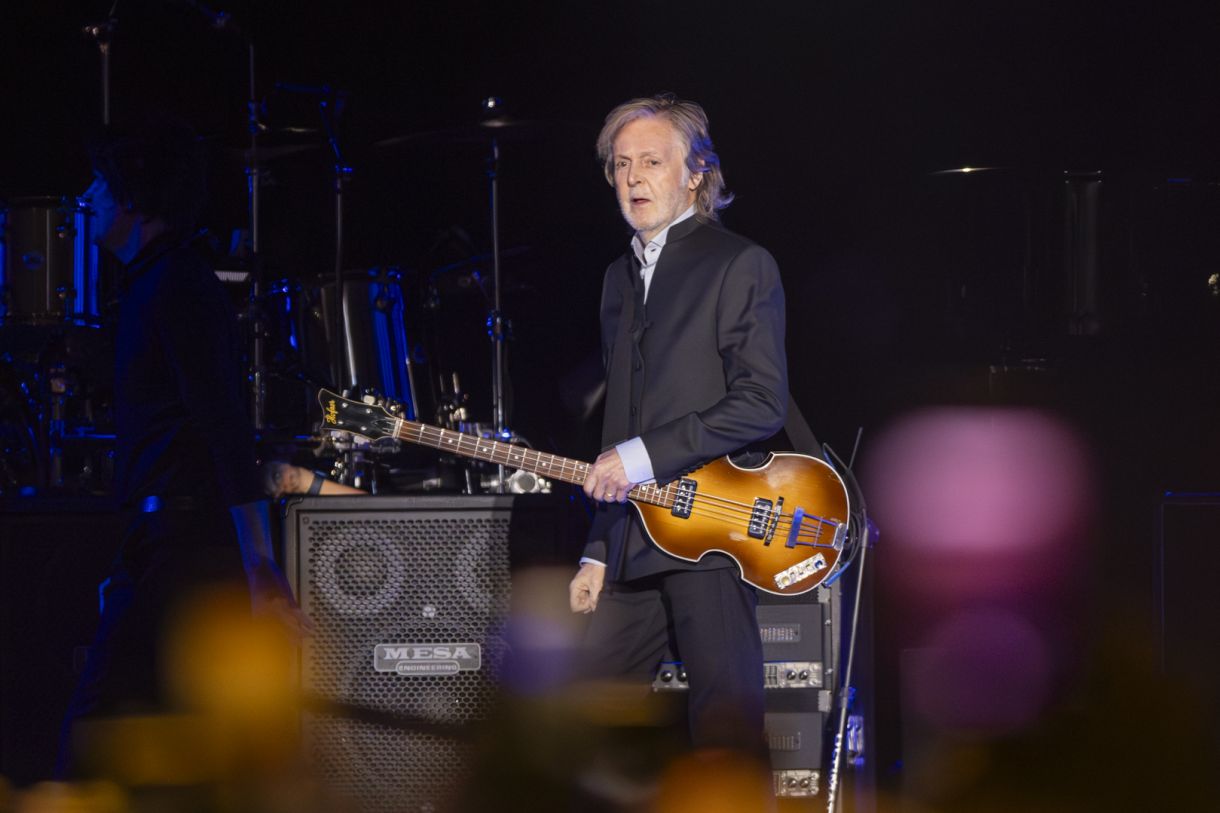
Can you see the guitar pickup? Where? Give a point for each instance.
(684, 500)
(760, 518)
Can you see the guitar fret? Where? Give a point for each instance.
(561, 468)
(495, 451)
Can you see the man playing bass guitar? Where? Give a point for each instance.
(692, 329)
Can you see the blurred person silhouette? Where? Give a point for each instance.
(186, 476)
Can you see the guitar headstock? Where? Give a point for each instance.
(370, 421)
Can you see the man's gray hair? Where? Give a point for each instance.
(690, 122)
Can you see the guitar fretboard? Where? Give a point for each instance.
(518, 457)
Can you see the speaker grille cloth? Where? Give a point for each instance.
(400, 578)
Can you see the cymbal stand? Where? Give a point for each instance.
(495, 320)
(57, 391)
(258, 350)
(102, 33)
(222, 21)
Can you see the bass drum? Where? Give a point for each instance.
(49, 267)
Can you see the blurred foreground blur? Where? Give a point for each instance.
(1009, 680)
(1015, 683)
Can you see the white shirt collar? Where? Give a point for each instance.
(647, 253)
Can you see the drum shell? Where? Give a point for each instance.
(378, 354)
(49, 264)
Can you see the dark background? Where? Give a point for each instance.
(829, 117)
(905, 287)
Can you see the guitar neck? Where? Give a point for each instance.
(493, 451)
(518, 457)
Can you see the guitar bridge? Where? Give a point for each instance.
(773, 521)
(684, 500)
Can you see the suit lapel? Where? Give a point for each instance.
(615, 423)
(665, 280)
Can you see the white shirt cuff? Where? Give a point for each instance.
(585, 560)
(636, 462)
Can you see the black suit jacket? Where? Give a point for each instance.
(698, 372)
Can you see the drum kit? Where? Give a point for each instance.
(369, 332)
(51, 302)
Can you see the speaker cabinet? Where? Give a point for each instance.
(408, 595)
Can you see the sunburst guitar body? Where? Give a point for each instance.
(784, 523)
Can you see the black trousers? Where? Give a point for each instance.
(166, 560)
(707, 619)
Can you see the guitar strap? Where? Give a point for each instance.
(799, 433)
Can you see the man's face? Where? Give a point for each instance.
(112, 221)
(650, 175)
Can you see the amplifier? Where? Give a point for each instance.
(408, 596)
(800, 653)
(672, 676)
(796, 740)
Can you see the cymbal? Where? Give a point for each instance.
(965, 170)
(277, 142)
(499, 128)
(477, 261)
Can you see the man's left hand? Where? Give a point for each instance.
(607, 479)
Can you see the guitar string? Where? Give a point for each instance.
(747, 510)
(746, 507)
(811, 538)
(505, 453)
(816, 536)
(714, 509)
(495, 450)
(499, 452)
(783, 521)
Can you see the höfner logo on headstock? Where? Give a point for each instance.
(428, 659)
(331, 415)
